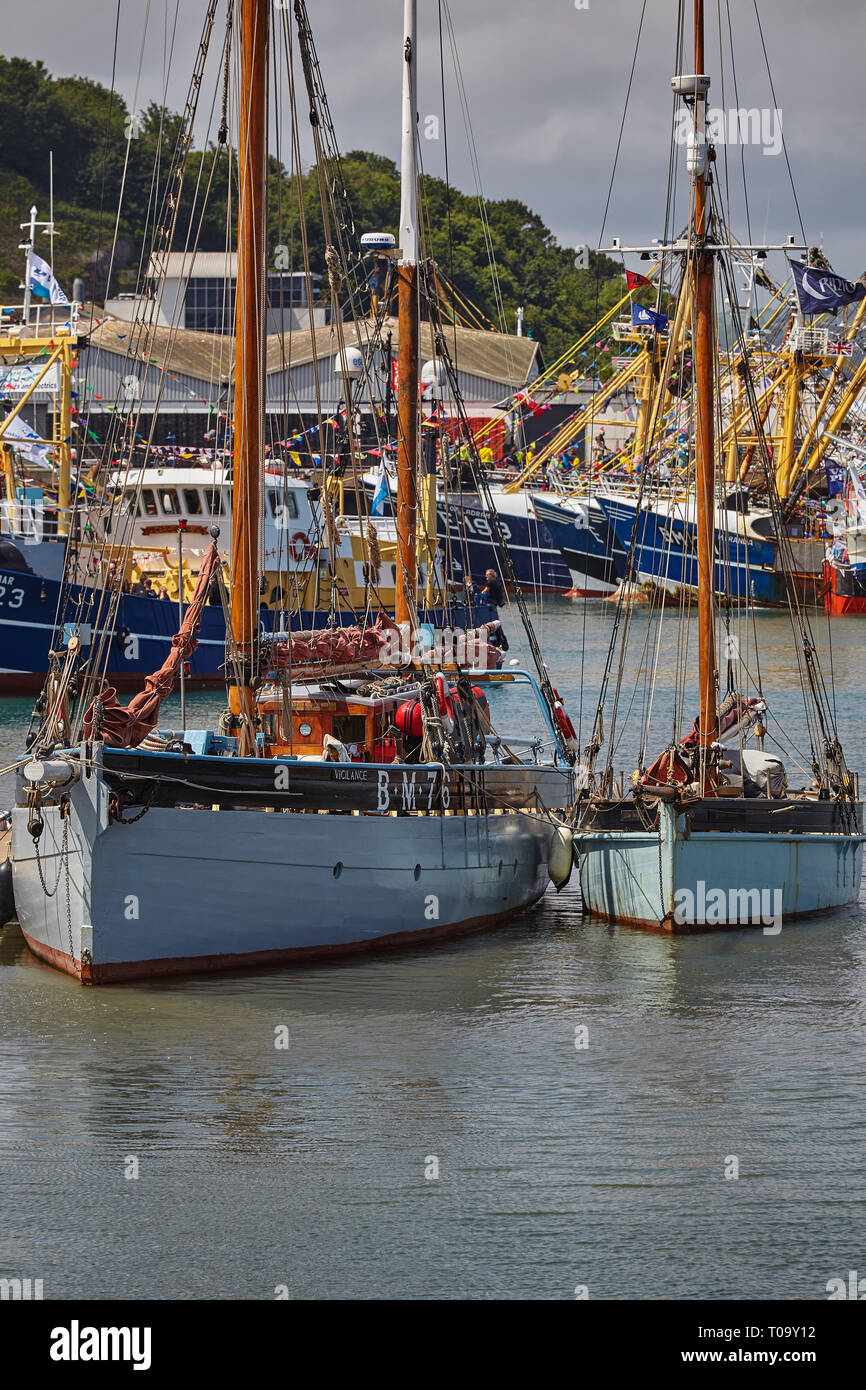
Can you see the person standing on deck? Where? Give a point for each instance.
(493, 590)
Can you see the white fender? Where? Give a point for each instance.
(560, 859)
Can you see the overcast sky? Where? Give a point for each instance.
(546, 84)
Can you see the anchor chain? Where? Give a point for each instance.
(115, 810)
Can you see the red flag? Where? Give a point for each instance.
(634, 281)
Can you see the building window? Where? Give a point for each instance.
(209, 305)
(290, 289)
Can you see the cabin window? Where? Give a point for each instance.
(305, 729)
(169, 501)
(192, 498)
(213, 502)
(148, 502)
(285, 500)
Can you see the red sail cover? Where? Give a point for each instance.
(671, 767)
(331, 648)
(339, 646)
(125, 726)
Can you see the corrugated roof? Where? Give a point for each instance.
(494, 356)
(497, 357)
(206, 356)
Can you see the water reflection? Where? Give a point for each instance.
(556, 1166)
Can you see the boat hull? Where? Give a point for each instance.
(665, 552)
(675, 879)
(844, 590)
(468, 539)
(595, 559)
(184, 890)
(142, 633)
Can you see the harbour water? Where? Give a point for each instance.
(435, 1126)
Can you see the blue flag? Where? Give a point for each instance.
(835, 475)
(822, 292)
(649, 318)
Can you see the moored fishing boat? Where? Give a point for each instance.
(590, 548)
(145, 525)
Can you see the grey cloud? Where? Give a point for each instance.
(546, 84)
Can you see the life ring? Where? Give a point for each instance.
(445, 702)
(300, 547)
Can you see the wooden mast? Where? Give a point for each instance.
(249, 360)
(407, 336)
(705, 436)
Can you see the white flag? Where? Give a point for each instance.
(43, 283)
(20, 435)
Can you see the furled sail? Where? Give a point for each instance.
(333, 650)
(338, 648)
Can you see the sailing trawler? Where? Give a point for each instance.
(356, 793)
(709, 834)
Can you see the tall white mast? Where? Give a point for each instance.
(31, 231)
(408, 169)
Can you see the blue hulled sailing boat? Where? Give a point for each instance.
(709, 833)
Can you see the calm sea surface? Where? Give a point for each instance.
(313, 1166)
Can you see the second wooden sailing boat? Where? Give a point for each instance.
(709, 835)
